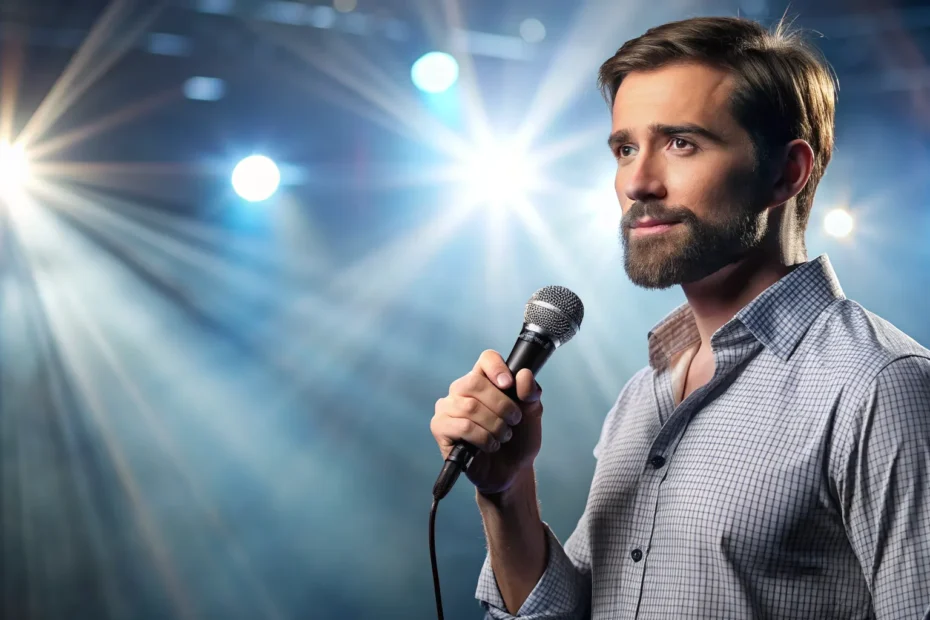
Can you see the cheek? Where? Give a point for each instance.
(694, 187)
(707, 187)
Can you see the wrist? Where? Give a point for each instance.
(520, 494)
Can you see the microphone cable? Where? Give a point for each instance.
(432, 557)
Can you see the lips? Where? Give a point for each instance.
(653, 222)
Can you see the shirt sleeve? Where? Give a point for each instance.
(562, 593)
(885, 489)
(564, 590)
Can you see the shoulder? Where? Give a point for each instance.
(852, 345)
(901, 389)
(882, 377)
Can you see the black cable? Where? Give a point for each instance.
(432, 557)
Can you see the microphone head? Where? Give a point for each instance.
(557, 311)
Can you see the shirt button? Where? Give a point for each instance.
(657, 461)
(637, 555)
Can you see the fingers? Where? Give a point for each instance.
(492, 365)
(447, 430)
(527, 389)
(477, 386)
(477, 411)
(473, 410)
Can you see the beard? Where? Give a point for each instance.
(691, 250)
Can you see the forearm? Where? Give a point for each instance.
(517, 540)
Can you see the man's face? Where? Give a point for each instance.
(692, 198)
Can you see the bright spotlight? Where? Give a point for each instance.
(500, 174)
(435, 72)
(838, 223)
(256, 178)
(14, 166)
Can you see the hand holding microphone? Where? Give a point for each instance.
(508, 434)
(498, 425)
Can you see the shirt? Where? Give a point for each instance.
(794, 484)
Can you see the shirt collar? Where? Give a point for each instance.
(778, 318)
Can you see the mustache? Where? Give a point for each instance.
(658, 211)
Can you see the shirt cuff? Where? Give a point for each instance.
(558, 593)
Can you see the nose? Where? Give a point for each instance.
(643, 180)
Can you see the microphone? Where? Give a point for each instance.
(551, 318)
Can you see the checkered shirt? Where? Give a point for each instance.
(795, 484)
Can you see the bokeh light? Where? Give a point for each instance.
(838, 223)
(532, 30)
(256, 178)
(435, 72)
(200, 88)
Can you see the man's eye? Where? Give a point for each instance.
(625, 151)
(680, 143)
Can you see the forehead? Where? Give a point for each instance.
(679, 93)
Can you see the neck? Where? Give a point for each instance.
(716, 299)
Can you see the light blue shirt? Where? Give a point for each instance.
(794, 484)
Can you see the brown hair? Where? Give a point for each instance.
(784, 90)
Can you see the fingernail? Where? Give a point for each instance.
(514, 417)
(494, 446)
(503, 379)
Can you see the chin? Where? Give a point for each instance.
(652, 284)
(653, 274)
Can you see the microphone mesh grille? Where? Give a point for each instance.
(557, 323)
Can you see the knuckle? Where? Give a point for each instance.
(439, 428)
(466, 426)
(470, 406)
(463, 385)
(472, 382)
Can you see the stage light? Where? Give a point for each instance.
(256, 178)
(838, 223)
(500, 173)
(14, 166)
(435, 72)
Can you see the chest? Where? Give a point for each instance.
(697, 374)
(739, 477)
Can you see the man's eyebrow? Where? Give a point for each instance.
(686, 128)
(618, 138)
(622, 136)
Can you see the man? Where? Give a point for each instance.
(773, 459)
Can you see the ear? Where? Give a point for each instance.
(792, 171)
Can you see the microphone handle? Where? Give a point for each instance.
(530, 351)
